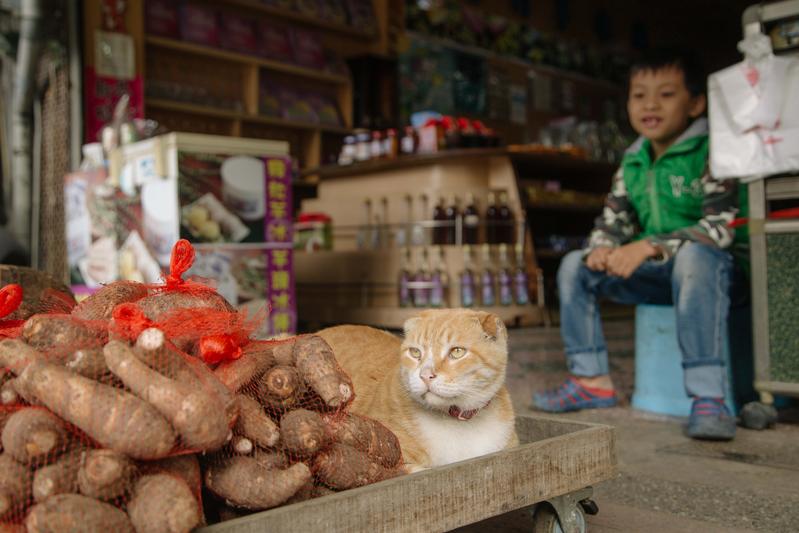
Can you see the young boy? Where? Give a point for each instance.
(663, 238)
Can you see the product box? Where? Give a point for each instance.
(274, 42)
(161, 18)
(308, 50)
(237, 33)
(199, 24)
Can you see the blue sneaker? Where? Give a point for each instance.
(710, 420)
(572, 396)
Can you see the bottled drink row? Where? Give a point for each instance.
(425, 281)
(448, 222)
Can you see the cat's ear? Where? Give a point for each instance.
(492, 326)
(410, 325)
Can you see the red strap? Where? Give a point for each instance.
(792, 212)
(10, 298)
(217, 348)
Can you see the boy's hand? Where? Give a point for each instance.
(597, 259)
(625, 260)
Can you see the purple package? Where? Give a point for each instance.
(274, 42)
(325, 109)
(297, 106)
(199, 24)
(308, 51)
(161, 18)
(237, 33)
(279, 233)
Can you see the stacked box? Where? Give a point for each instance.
(230, 197)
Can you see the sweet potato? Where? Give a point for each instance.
(16, 355)
(8, 393)
(281, 387)
(105, 474)
(303, 432)
(196, 415)
(186, 467)
(60, 477)
(271, 460)
(100, 305)
(254, 424)
(367, 435)
(162, 503)
(88, 362)
(256, 358)
(343, 467)
(158, 353)
(15, 486)
(283, 352)
(60, 335)
(158, 306)
(317, 365)
(73, 513)
(33, 435)
(243, 482)
(114, 418)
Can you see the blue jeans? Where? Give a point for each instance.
(698, 281)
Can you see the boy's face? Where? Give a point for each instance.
(661, 106)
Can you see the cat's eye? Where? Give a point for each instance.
(415, 353)
(457, 352)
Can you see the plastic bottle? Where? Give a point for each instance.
(471, 221)
(439, 281)
(466, 279)
(487, 280)
(404, 279)
(491, 219)
(520, 280)
(421, 290)
(504, 277)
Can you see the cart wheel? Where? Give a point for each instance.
(545, 520)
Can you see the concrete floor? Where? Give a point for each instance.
(666, 482)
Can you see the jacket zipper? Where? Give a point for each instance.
(654, 202)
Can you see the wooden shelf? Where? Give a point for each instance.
(231, 114)
(544, 253)
(226, 55)
(286, 14)
(552, 206)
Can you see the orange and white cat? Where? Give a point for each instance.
(441, 390)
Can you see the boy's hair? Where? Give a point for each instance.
(660, 58)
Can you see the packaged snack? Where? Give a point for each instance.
(237, 33)
(274, 42)
(297, 106)
(199, 24)
(161, 18)
(308, 50)
(326, 109)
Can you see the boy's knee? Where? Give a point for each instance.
(694, 259)
(570, 269)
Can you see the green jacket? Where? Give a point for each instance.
(673, 200)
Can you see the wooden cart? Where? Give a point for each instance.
(551, 471)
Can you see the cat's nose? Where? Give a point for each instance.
(427, 375)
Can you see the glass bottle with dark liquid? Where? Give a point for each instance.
(491, 219)
(505, 219)
(440, 219)
(471, 221)
(450, 217)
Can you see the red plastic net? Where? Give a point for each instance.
(123, 412)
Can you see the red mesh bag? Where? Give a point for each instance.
(118, 400)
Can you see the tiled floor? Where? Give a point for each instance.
(666, 482)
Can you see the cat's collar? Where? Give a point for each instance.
(460, 414)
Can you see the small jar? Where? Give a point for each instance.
(390, 144)
(347, 155)
(362, 145)
(376, 148)
(409, 141)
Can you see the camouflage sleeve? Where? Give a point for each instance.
(719, 207)
(618, 223)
